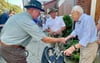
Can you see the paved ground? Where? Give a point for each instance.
(35, 51)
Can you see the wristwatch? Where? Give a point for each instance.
(74, 46)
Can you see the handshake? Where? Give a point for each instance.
(68, 51)
(71, 49)
(63, 40)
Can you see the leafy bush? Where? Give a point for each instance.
(69, 27)
(68, 22)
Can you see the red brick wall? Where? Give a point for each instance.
(85, 4)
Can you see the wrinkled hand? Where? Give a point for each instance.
(58, 32)
(51, 32)
(69, 51)
(62, 40)
(66, 39)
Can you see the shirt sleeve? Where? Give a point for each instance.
(74, 33)
(32, 29)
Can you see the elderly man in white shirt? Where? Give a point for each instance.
(55, 24)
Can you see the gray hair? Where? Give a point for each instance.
(78, 9)
(6, 11)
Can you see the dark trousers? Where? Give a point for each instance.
(13, 55)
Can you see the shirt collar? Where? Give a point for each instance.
(52, 18)
(81, 17)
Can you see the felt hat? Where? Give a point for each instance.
(34, 4)
(52, 9)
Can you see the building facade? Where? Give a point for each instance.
(91, 7)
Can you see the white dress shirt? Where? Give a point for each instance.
(55, 24)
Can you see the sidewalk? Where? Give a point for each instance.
(35, 51)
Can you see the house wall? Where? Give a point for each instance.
(85, 4)
(65, 8)
(49, 5)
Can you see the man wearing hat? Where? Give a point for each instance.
(55, 24)
(19, 30)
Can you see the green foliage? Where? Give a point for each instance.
(68, 22)
(76, 54)
(69, 27)
(4, 5)
(16, 8)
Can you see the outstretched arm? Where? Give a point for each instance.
(53, 40)
(70, 36)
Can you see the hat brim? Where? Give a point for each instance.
(52, 11)
(34, 7)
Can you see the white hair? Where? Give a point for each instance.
(78, 9)
(6, 11)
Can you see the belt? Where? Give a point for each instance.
(15, 46)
